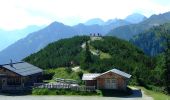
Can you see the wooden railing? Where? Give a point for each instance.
(64, 86)
(52, 86)
(12, 87)
(83, 88)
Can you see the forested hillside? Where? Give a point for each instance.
(112, 53)
(152, 41)
(58, 54)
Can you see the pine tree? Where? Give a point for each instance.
(88, 53)
(167, 64)
(88, 58)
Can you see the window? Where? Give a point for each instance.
(113, 81)
(108, 81)
(14, 81)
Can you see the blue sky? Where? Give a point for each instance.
(17, 14)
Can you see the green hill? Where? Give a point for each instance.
(58, 54)
(105, 54)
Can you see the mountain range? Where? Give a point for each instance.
(91, 26)
(55, 31)
(128, 31)
(135, 18)
(132, 19)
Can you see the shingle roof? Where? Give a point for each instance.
(90, 76)
(93, 76)
(121, 73)
(116, 71)
(22, 68)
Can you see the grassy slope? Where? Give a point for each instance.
(63, 73)
(102, 55)
(155, 95)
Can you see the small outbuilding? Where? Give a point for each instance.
(17, 76)
(112, 79)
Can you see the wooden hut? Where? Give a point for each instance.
(112, 79)
(17, 76)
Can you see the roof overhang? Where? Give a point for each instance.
(90, 76)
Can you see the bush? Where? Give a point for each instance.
(68, 70)
(155, 88)
(43, 92)
(99, 92)
(63, 92)
(80, 74)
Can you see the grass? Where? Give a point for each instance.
(63, 73)
(104, 55)
(155, 95)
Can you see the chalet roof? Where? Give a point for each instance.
(121, 73)
(93, 76)
(22, 68)
(90, 76)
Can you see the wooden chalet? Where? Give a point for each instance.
(112, 79)
(17, 76)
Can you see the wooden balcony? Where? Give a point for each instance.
(12, 87)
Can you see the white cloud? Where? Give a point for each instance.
(21, 13)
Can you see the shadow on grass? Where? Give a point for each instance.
(129, 93)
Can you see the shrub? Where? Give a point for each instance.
(99, 92)
(63, 92)
(43, 92)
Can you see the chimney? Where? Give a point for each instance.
(11, 64)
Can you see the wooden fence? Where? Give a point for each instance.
(83, 88)
(51, 86)
(64, 86)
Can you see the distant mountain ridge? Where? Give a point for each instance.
(9, 37)
(102, 29)
(35, 41)
(131, 19)
(135, 18)
(94, 21)
(128, 31)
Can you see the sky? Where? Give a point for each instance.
(18, 14)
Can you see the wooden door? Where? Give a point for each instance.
(4, 82)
